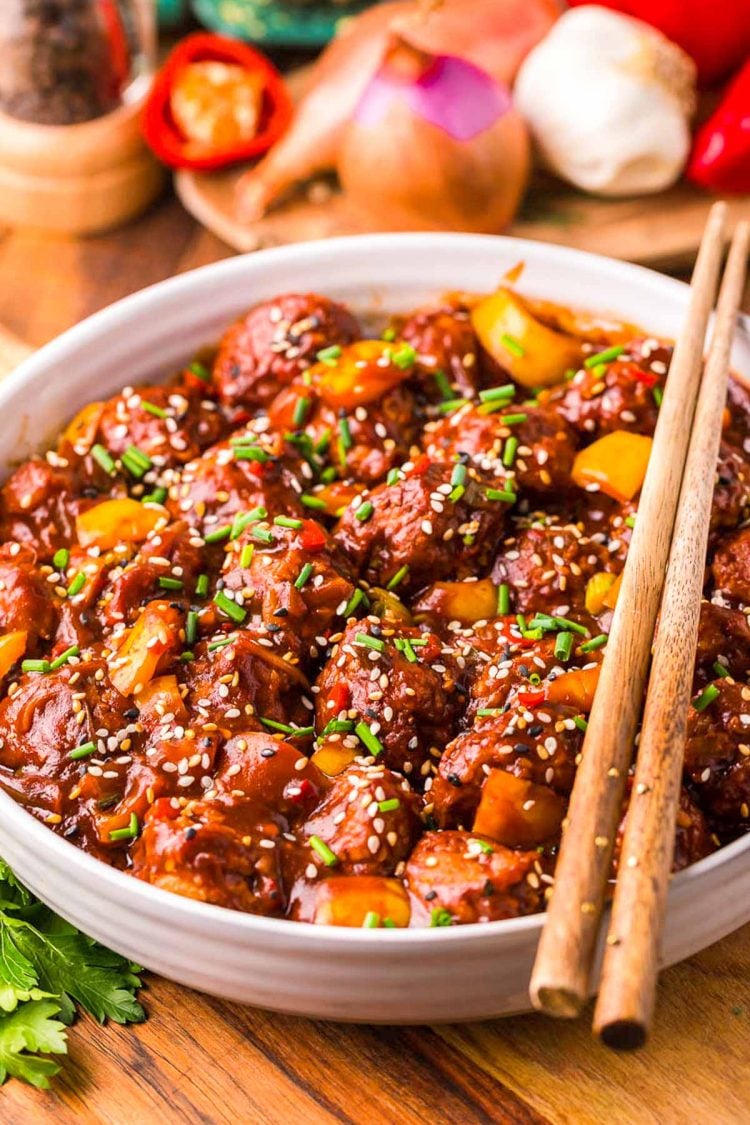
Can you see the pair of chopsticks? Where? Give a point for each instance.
(663, 577)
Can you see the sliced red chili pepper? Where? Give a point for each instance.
(312, 536)
(339, 698)
(633, 371)
(530, 698)
(300, 792)
(172, 146)
(420, 466)
(163, 809)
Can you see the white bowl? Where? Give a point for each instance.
(387, 976)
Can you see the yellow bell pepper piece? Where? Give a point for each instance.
(81, 432)
(616, 462)
(575, 688)
(12, 648)
(518, 813)
(597, 588)
(116, 521)
(333, 757)
(155, 633)
(533, 354)
(610, 601)
(362, 372)
(347, 900)
(467, 602)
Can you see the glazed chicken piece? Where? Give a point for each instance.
(274, 343)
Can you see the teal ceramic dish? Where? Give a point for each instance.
(290, 23)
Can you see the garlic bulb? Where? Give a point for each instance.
(608, 100)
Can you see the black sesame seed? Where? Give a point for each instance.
(431, 895)
(268, 752)
(488, 889)
(191, 833)
(455, 780)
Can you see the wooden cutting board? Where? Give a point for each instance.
(662, 231)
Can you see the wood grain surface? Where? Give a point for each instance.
(199, 1060)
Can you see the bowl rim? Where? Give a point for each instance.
(64, 854)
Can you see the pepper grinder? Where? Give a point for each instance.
(73, 80)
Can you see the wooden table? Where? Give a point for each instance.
(202, 1060)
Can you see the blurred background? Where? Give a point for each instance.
(139, 138)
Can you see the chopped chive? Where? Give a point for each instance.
(187, 657)
(398, 578)
(222, 643)
(441, 917)
(455, 495)
(218, 534)
(487, 712)
(503, 494)
(262, 534)
(191, 627)
(246, 555)
(103, 459)
(328, 476)
(447, 393)
(404, 646)
(483, 846)
(404, 356)
(389, 335)
(454, 404)
(168, 583)
(64, 657)
(61, 558)
(244, 519)
(458, 476)
(201, 371)
(152, 408)
(85, 750)
(301, 408)
(329, 355)
(227, 606)
(372, 920)
(368, 739)
(354, 602)
(509, 452)
(364, 511)
(330, 859)
(136, 461)
(571, 626)
(128, 833)
(721, 671)
(512, 345)
(313, 502)
(581, 723)
(303, 576)
(369, 642)
(321, 445)
(35, 665)
(77, 583)
(658, 393)
(338, 726)
(513, 419)
(158, 496)
(599, 371)
(389, 924)
(390, 805)
(251, 453)
(346, 434)
(563, 645)
(496, 394)
(287, 521)
(594, 643)
(630, 521)
(503, 599)
(394, 476)
(706, 697)
(604, 357)
(201, 586)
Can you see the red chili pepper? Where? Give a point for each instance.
(312, 536)
(300, 792)
(633, 371)
(720, 159)
(339, 698)
(161, 130)
(420, 466)
(530, 698)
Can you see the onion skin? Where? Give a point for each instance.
(497, 37)
(442, 149)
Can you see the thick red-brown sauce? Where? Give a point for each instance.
(321, 712)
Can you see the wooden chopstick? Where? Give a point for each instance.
(628, 983)
(560, 979)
